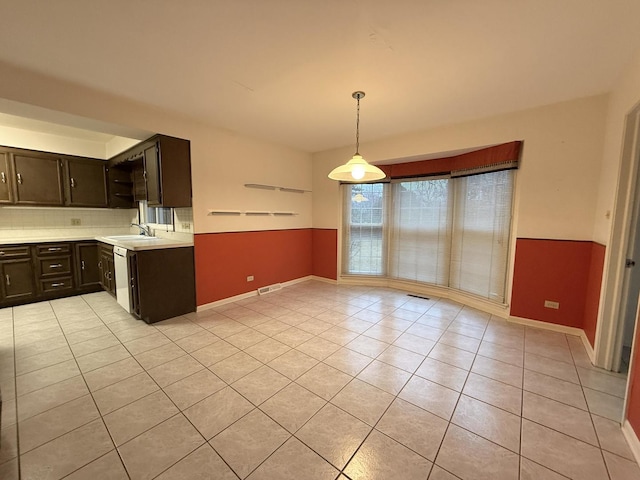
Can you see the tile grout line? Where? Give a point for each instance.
(340, 346)
(180, 412)
(15, 386)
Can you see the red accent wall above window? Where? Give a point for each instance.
(498, 157)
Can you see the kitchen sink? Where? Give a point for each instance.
(130, 238)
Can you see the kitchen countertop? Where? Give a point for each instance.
(136, 245)
(18, 240)
(150, 244)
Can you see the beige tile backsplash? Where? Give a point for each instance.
(52, 222)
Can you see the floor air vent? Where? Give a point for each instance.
(269, 289)
(417, 296)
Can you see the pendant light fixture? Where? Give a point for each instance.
(357, 169)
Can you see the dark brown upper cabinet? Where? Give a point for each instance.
(37, 179)
(86, 183)
(166, 170)
(6, 193)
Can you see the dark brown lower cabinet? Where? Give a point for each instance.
(44, 271)
(87, 258)
(106, 269)
(17, 280)
(162, 283)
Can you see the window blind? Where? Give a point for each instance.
(443, 231)
(481, 225)
(364, 245)
(421, 231)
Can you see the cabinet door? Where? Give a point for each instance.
(103, 268)
(112, 275)
(38, 180)
(5, 179)
(87, 271)
(152, 175)
(17, 279)
(139, 184)
(132, 260)
(86, 183)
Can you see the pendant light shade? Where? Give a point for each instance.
(357, 169)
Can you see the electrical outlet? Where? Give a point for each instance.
(250, 278)
(550, 304)
(186, 226)
(76, 221)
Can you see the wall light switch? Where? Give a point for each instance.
(186, 226)
(250, 278)
(550, 304)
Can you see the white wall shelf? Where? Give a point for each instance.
(251, 213)
(261, 186)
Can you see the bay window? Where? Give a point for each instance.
(449, 230)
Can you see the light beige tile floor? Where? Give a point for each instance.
(315, 381)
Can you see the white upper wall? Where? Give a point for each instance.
(623, 99)
(221, 161)
(557, 183)
(47, 142)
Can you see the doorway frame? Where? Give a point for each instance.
(609, 323)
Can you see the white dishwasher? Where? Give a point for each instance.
(121, 267)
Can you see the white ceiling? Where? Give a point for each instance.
(284, 70)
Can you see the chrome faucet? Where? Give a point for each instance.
(144, 229)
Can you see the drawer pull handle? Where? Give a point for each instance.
(4, 177)
(54, 249)
(73, 182)
(8, 278)
(54, 285)
(55, 265)
(19, 178)
(82, 264)
(2, 252)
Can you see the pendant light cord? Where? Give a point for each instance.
(358, 126)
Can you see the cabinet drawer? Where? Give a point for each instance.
(57, 284)
(55, 266)
(14, 252)
(53, 249)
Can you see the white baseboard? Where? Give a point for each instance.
(632, 440)
(578, 332)
(224, 301)
(253, 293)
(587, 346)
(499, 310)
(322, 279)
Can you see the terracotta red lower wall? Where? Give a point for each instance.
(224, 260)
(593, 291)
(633, 400)
(325, 253)
(564, 271)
